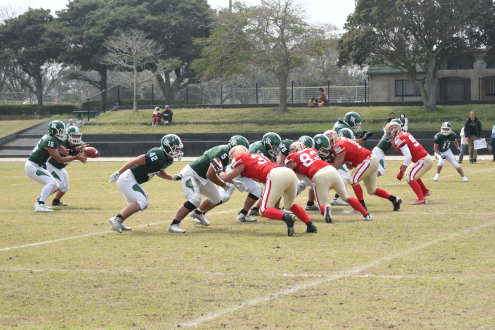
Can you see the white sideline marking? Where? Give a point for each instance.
(68, 270)
(443, 176)
(79, 211)
(350, 272)
(92, 234)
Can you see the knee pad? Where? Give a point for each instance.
(253, 196)
(143, 204)
(194, 199)
(225, 199)
(215, 201)
(256, 192)
(441, 162)
(190, 206)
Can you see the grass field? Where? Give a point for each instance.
(265, 119)
(11, 126)
(428, 267)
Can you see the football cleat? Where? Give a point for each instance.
(419, 202)
(286, 211)
(245, 218)
(59, 203)
(428, 193)
(116, 224)
(328, 214)
(338, 202)
(199, 219)
(311, 229)
(313, 207)
(254, 212)
(175, 229)
(124, 227)
(436, 177)
(396, 204)
(464, 179)
(367, 217)
(289, 219)
(42, 208)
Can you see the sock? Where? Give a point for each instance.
(422, 185)
(243, 212)
(309, 203)
(119, 216)
(322, 209)
(358, 191)
(416, 188)
(300, 213)
(363, 204)
(175, 222)
(337, 196)
(198, 211)
(356, 205)
(273, 213)
(382, 193)
(392, 198)
(56, 200)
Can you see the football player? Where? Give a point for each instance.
(413, 151)
(443, 139)
(142, 169)
(50, 146)
(279, 182)
(305, 161)
(382, 147)
(201, 178)
(365, 166)
(254, 190)
(58, 170)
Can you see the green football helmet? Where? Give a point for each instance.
(308, 141)
(446, 128)
(74, 135)
(57, 129)
(172, 145)
(353, 119)
(238, 140)
(346, 132)
(322, 145)
(272, 143)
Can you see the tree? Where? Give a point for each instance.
(409, 35)
(131, 51)
(272, 37)
(24, 39)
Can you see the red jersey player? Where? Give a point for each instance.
(415, 153)
(324, 176)
(365, 166)
(279, 182)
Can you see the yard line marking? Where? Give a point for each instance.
(347, 273)
(91, 234)
(68, 270)
(443, 176)
(80, 211)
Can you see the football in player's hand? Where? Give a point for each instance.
(91, 152)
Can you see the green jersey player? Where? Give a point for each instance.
(139, 170)
(201, 178)
(383, 147)
(50, 146)
(443, 140)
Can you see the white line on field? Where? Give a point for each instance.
(346, 273)
(93, 234)
(80, 211)
(428, 179)
(67, 270)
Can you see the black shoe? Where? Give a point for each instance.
(397, 203)
(59, 203)
(311, 229)
(289, 220)
(471, 161)
(474, 161)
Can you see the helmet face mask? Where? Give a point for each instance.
(353, 119)
(272, 143)
(171, 144)
(238, 140)
(446, 129)
(74, 136)
(392, 130)
(56, 129)
(322, 145)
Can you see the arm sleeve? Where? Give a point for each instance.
(148, 159)
(407, 153)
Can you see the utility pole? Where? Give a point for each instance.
(230, 6)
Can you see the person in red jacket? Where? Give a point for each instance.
(324, 176)
(417, 160)
(279, 182)
(365, 165)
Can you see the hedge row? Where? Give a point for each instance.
(156, 102)
(29, 109)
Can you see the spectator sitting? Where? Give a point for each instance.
(312, 102)
(392, 116)
(156, 116)
(167, 115)
(70, 124)
(79, 121)
(323, 97)
(404, 121)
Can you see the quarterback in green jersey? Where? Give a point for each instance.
(50, 146)
(139, 170)
(57, 169)
(443, 140)
(381, 148)
(201, 178)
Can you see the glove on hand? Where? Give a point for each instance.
(366, 135)
(176, 177)
(228, 185)
(114, 177)
(241, 186)
(400, 176)
(443, 157)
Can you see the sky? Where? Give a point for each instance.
(317, 11)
